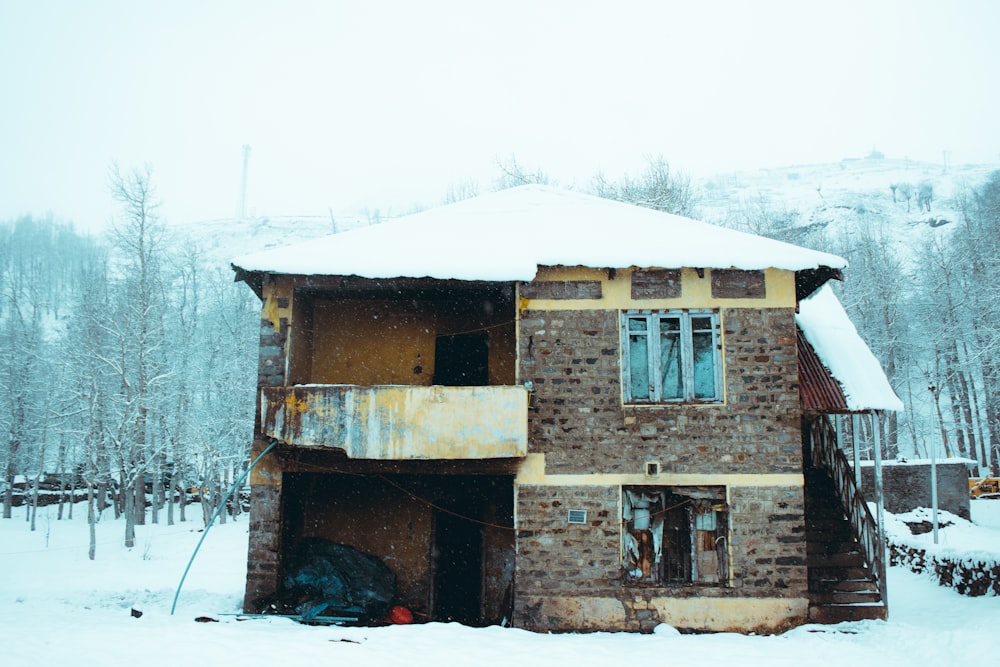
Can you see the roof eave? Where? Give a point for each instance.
(253, 279)
(808, 281)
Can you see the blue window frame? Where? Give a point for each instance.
(671, 356)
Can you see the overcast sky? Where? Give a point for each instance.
(387, 104)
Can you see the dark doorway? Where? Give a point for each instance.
(462, 360)
(458, 574)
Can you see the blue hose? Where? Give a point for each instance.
(211, 521)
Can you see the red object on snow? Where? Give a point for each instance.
(400, 616)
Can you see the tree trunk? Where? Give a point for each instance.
(182, 499)
(129, 511)
(8, 496)
(139, 501)
(34, 500)
(92, 522)
(170, 500)
(157, 496)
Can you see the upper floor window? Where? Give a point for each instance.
(671, 356)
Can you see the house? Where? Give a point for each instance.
(550, 410)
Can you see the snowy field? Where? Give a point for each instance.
(58, 607)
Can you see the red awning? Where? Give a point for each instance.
(819, 391)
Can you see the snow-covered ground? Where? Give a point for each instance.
(58, 607)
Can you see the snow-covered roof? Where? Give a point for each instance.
(829, 330)
(507, 235)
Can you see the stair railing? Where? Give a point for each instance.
(827, 455)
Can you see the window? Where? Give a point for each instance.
(671, 357)
(675, 535)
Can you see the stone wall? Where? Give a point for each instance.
(569, 576)
(907, 486)
(580, 424)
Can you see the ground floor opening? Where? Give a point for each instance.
(447, 538)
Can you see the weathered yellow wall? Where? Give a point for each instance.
(400, 422)
(370, 342)
(696, 292)
(761, 615)
(588, 613)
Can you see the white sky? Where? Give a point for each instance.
(386, 104)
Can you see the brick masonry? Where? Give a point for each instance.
(264, 552)
(264, 549)
(271, 355)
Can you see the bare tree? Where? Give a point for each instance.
(657, 187)
(513, 174)
(466, 189)
(137, 328)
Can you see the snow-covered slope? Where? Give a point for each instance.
(221, 240)
(842, 195)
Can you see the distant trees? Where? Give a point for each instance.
(875, 293)
(925, 194)
(513, 174)
(37, 263)
(136, 327)
(929, 312)
(657, 187)
(123, 363)
(975, 249)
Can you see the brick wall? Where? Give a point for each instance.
(264, 551)
(271, 355)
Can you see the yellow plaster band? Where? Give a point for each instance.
(695, 293)
(732, 614)
(762, 615)
(532, 472)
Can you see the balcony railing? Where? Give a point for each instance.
(397, 422)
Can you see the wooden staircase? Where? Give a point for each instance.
(842, 583)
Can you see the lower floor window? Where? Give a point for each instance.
(675, 535)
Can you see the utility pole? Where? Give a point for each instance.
(243, 186)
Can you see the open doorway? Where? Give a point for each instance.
(458, 565)
(462, 360)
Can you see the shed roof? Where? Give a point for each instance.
(842, 356)
(507, 235)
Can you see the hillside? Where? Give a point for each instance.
(830, 196)
(835, 197)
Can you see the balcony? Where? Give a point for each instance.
(400, 422)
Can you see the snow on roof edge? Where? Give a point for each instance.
(507, 235)
(827, 327)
